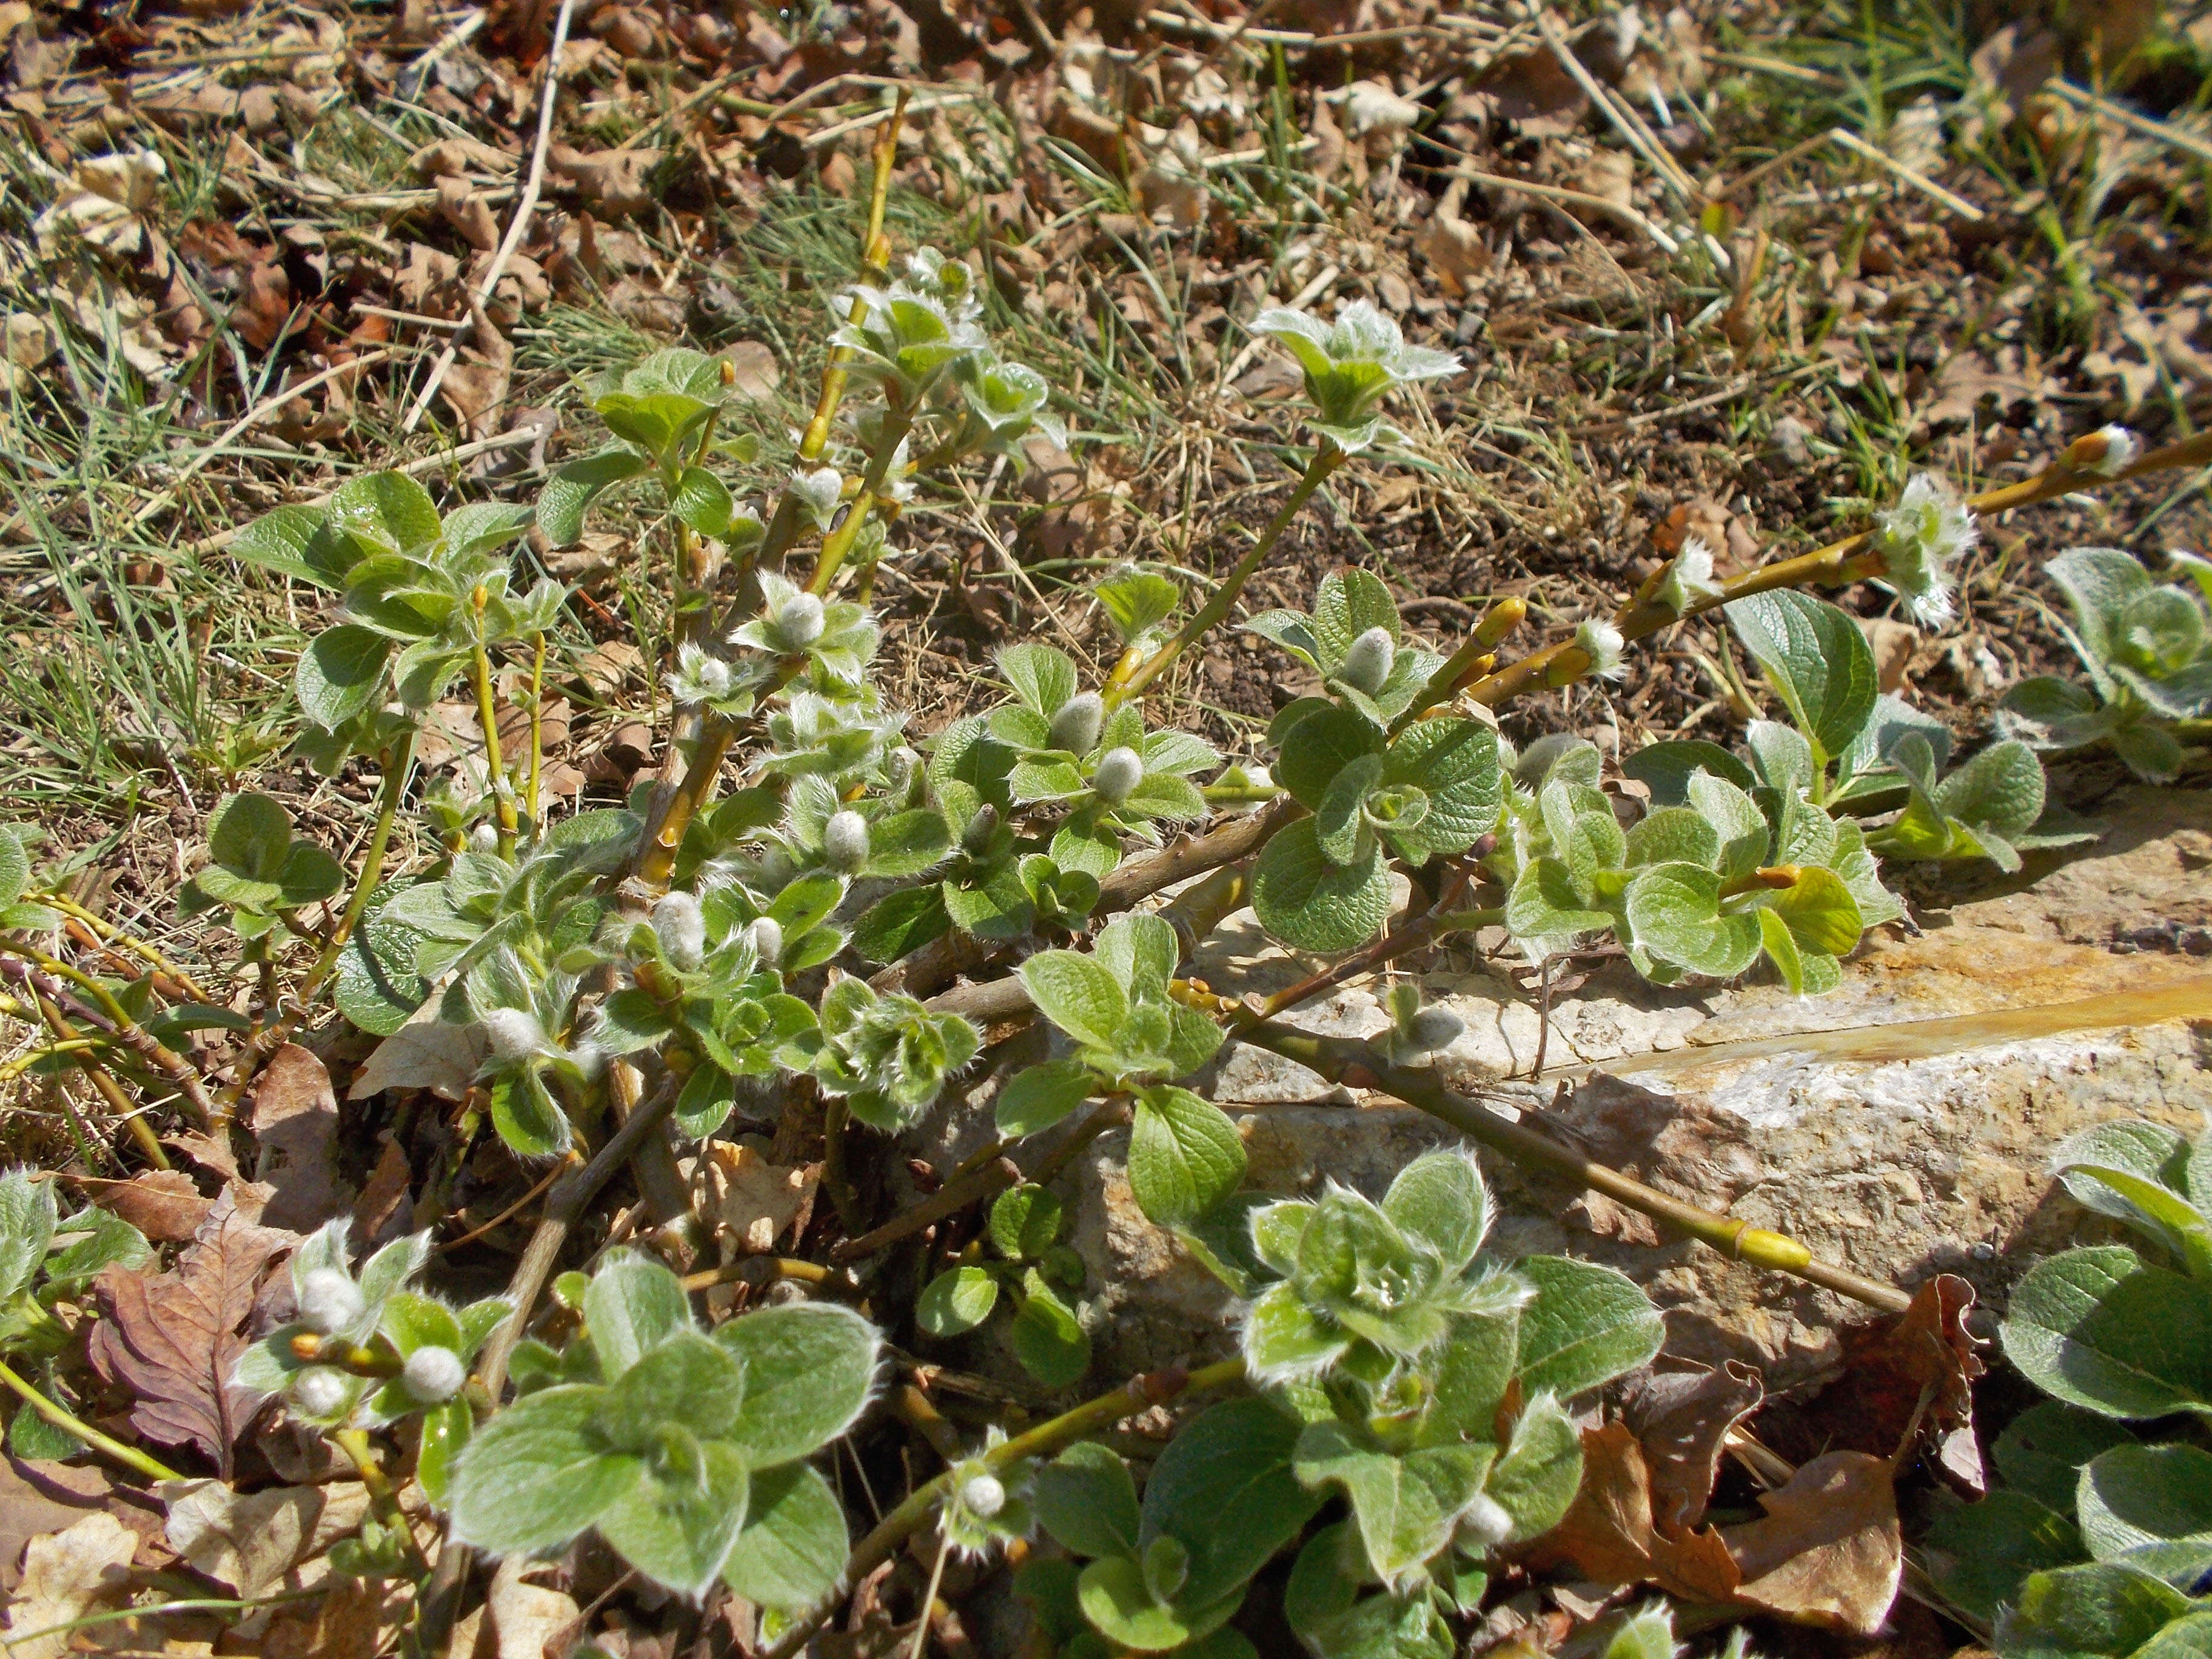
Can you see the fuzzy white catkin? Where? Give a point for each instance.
(434, 1375)
(329, 1301)
(984, 1495)
(1487, 1522)
(320, 1391)
(1602, 643)
(681, 930)
(483, 839)
(1368, 662)
(2122, 448)
(768, 940)
(514, 1034)
(799, 623)
(713, 677)
(845, 841)
(1075, 728)
(1119, 771)
(1434, 1028)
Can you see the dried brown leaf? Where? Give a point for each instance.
(173, 1339)
(1681, 1419)
(1608, 1534)
(65, 1575)
(296, 1119)
(162, 1204)
(749, 1201)
(1828, 1551)
(264, 1541)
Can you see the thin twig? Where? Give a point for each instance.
(524, 207)
(1920, 181)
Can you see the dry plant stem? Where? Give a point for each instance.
(1326, 460)
(130, 1456)
(398, 761)
(524, 207)
(949, 1199)
(105, 1084)
(171, 1066)
(1139, 1394)
(1334, 1058)
(836, 1175)
(563, 1210)
(109, 934)
(1849, 560)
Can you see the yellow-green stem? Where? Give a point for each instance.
(130, 1456)
(128, 1031)
(109, 933)
(536, 727)
(502, 797)
(1326, 460)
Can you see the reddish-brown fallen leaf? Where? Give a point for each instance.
(296, 1119)
(1890, 1366)
(1682, 1418)
(1608, 1534)
(1828, 1551)
(162, 1204)
(172, 1339)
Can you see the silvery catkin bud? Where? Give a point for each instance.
(682, 931)
(1432, 1029)
(434, 1375)
(514, 1034)
(768, 940)
(1486, 1523)
(483, 839)
(1119, 771)
(1368, 664)
(984, 1495)
(799, 623)
(329, 1301)
(975, 839)
(845, 841)
(1075, 727)
(320, 1391)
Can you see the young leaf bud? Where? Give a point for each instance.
(1689, 579)
(1921, 539)
(975, 839)
(983, 1494)
(845, 841)
(1368, 662)
(1119, 771)
(514, 1035)
(1075, 727)
(2107, 451)
(1602, 643)
(768, 940)
(320, 1391)
(799, 623)
(1486, 1523)
(682, 931)
(434, 1375)
(329, 1301)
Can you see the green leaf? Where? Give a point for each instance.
(1979, 1553)
(1085, 1500)
(525, 1116)
(536, 1474)
(309, 876)
(634, 1304)
(1136, 601)
(1078, 994)
(2098, 1328)
(384, 513)
(446, 1432)
(1037, 1097)
(576, 484)
(1666, 768)
(249, 834)
(1284, 1339)
(1546, 903)
(279, 540)
(1405, 1507)
(901, 922)
(809, 1368)
(2189, 1637)
(2043, 1451)
(1116, 1600)
(1311, 903)
(1586, 1325)
(2001, 788)
(1674, 835)
(1472, 1371)
(1673, 912)
(1329, 740)
(792, 1551)
(1347, 604)
(2103, 1608)
(1047, 1337)
(703, 501)
(1455, 763)
(1439, 1199)
(340, 673)
(108, 1238)
(1185, 1155)
(1043, 676)
(685, 1379)
(1536, 1476)
(15, 865)
(2132, 1496)
(956, 1302)
(1781, 755)
(1024, 1222)
(678, 1527)
(1224, 1489)
(1819, 912)
(28, 1213)
(1816, 658)
(2160, 1213)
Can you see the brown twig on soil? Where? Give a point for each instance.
(525, 208)
(171, 1066)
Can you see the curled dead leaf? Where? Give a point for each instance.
(1828, 1551)
(65, 1574)
(263, 1541)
